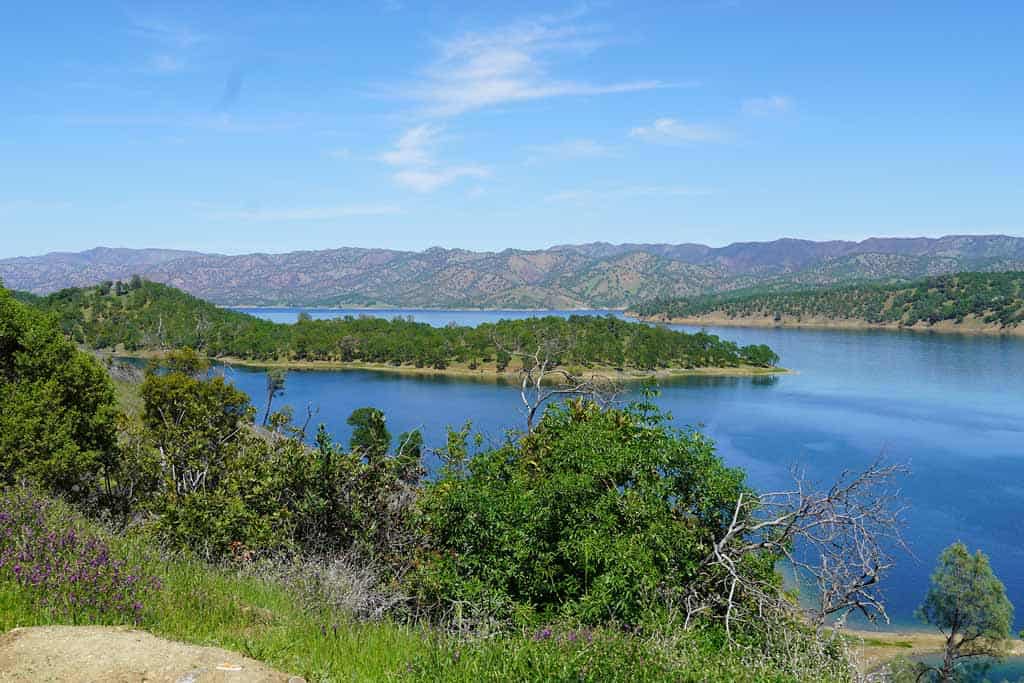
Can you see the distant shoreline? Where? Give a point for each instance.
(968, 327)
(247, 307)
(486, 371)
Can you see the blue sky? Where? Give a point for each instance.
(220, 127)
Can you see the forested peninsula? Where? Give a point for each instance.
(991, 303)
(144, 318)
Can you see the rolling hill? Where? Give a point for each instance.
(567, 276)
(983, 302)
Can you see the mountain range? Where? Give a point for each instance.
(598, 274)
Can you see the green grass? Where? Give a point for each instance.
(129, 399)
(262, 618)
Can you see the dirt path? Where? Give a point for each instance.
(69, 654)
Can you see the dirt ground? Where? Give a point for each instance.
(91, 653)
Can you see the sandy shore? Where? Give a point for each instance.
(875, 648)
(486, 371)
(489, 371)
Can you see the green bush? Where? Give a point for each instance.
(598, 515)
(57, 405)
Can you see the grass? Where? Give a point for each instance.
(263, 618)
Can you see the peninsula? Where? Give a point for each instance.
(141, 318)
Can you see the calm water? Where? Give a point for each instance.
(950, 406)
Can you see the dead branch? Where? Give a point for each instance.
(838, 542)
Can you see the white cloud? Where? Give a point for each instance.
(510, 64)
(309, 213)
(418, 170)
(764, 106)
(413, 148)
(569, 149)
(430, 179)
(673, 131)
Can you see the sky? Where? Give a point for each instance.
(245, 127)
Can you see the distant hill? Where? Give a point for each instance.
(962, 302)
(566, 276)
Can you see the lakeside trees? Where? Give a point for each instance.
(993, 298)
(150, 316)
(968, 604)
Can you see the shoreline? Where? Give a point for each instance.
(484, 372)
(875, 649)
(969, 328)
(396, 309)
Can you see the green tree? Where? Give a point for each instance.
(370, 436)
(968, 604)
(57, 405)
(275, 388)
(596, 515)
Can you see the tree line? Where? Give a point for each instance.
(994, 298)
(141, 315)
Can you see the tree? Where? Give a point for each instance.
(57, 405)
(193, 424)
(596, 514)
(968, 604)
(370, 436)
(275, 388)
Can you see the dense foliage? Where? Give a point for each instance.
(146, 316)
(57, 406)
(596, 515)
(994, 298)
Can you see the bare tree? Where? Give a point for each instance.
(543, 377)
(839, 541)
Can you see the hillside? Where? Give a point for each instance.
(141, 316)
(991, 302)
(594, 275)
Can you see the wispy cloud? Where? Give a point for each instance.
(430, 179)
(669, 131)
(173, 41)
(307, 213)
(765, 106)
(167, 32)
(419, 170)
(595, 195)
(511, 64)
(569, 149)
(166, 63)
(413, 147)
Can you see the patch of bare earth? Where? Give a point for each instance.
(93, 653)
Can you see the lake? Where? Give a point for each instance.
(950, 406)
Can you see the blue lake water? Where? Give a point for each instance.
(950, 406)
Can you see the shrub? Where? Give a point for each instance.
(57, 405)
(597, 515)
